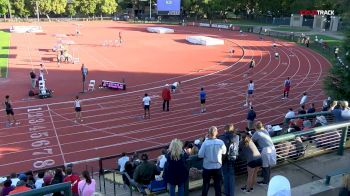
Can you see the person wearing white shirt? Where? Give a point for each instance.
(250, 93)
(40, 180)
(211, 151)
(290, 115)
(146, 101)
(77, 108)
(121, 162)
(14, 179)
(174, 86)
(303, 99)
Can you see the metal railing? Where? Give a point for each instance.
(65, 187)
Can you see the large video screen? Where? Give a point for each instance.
(168, 7)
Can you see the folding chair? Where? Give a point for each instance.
(91, 85)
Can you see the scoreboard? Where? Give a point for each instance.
(168, 7)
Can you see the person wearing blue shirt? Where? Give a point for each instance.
(202, 97)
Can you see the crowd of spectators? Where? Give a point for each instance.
(17, 183)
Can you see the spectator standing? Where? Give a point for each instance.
(40, 180)
(146, 101)
(202, 98)
(135, 160)
(211, 151)
(303, 99)
(121, 162)
(345, 110)
(251, 117)
(77, 108)
(336, 111)
(7, 187)
(175, 170)
(145, 172)
(231, 141)
(326, 104)
(33, 79)
(250, 152)
(73, 179)
(87, 186)
(286, 89)
(9, 112)
(166, 97)
(268, 151)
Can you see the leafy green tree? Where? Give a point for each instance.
(88, 7)
(107, 6)
(21, 8)
(58, 6)
(72, 7)
(3, 7)
(337, 83)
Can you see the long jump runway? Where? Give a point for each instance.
(48, 135)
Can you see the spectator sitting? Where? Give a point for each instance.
(312, 109)
(40, 180)
(121, 162)
(20, 187)
(47, 179)
(145, 172)
(57, 179)
(307, 125)
(73, 179)
(302, 110)
(135, 160)
(31, 180)
(322, 120)
(7, 187)
(290, 115)
(293, 127)
(336, 111)
(162, 160)
(129, 169)
(14, 179)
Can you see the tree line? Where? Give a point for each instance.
(209, 9)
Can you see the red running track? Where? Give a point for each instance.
(47, 135)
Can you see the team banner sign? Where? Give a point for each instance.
(168, 7)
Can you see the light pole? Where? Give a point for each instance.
(150, 9)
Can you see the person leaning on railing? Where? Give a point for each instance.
(268, 151)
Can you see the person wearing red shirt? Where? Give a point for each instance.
(73, 179)
(166, 97)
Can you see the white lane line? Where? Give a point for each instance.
(54, 128)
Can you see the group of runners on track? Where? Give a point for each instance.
(146, 100)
